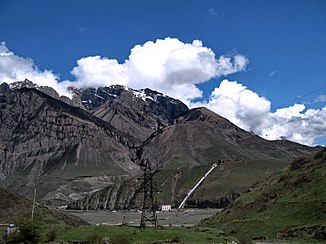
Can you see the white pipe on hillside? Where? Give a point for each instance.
(198, 183)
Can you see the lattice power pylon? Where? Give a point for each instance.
(149, 206)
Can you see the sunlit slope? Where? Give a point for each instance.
(290, 203)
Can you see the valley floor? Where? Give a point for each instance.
(189, 217)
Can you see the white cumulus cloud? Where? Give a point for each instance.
(176, 68)
(96, 71)
(298, 125)
(252, 112)
(167, 65)
(237, 103)
(15, 68)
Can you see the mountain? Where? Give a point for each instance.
(136, 112)
(72, 148)
(13, 207)
(45, 89)
(199, 136)
(288, 204)
(46, 140)
(184, 151)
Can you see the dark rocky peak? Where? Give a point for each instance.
(29, 84)
(151, 93)
(45, 89)
(200, 113)
(4, 88)
(93, 98)
(137, 112)
(204, 114)
(20, 84)
(172, 106)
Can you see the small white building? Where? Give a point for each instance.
(166, 207)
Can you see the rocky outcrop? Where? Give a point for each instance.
(220, 202)
(317, 232)
(121, 195)
(4, 88)
(45, 89)
(42, 138)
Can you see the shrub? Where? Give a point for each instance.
(119, 240)
(93, 238)
(244, 240)
(52, 234)
(29, 232)
(176, 239)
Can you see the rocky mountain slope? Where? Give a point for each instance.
(224, 184)
(14, 207)
(44, 139)
(72, 148)
(138, 113)
(200, 136)
(288, 204)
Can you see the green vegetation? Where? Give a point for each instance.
(228, 178)
(288, 204)
(29, 232)
(126, 234)
(15, 208)
(116, 234)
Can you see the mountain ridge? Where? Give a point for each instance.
(208, 137)
(138, 112)
(44, 138)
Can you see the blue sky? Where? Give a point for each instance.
(283, 41)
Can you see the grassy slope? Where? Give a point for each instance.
(290, 203)
(148, 235)
(225, 179)
(13, 207)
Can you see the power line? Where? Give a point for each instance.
(305, 95)
(287, 103)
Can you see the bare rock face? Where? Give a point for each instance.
(42, 138)
(4, 88)
(118, 196)
(45, 89)
(138, 113)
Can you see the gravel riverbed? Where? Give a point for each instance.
(188, 217)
